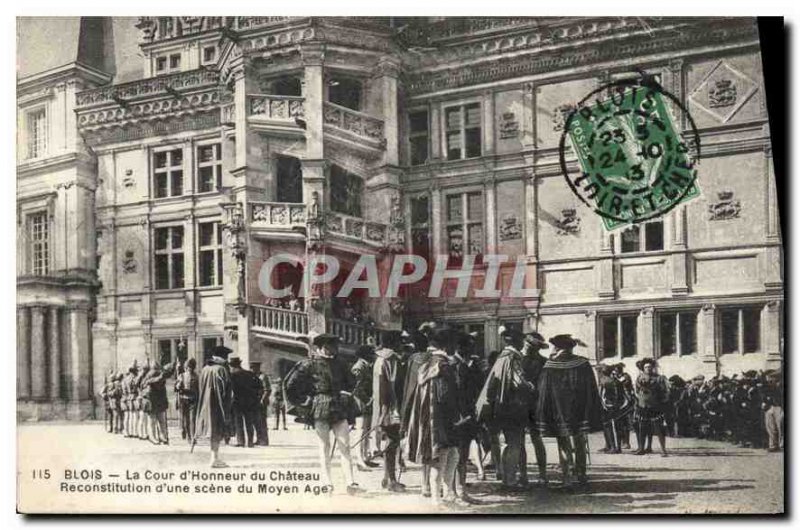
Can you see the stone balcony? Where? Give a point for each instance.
(276, 113)
(278, 220)
(353, 127)
(356, 229)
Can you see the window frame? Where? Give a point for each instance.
(618, 346)
(465, 222)
(168, 169)
(215, 164)
(415, 135)
(44, 241)
(170, 252)
(203, 48)
(216, 248)
(174, 343)
(642, 247)
(37, 150)
(740, 333)
(679, 315)
(462, 105)
(168, 68)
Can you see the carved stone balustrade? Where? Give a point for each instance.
(355, 227)
(154, 86)
(352, 333)
(278, 321)
(277, 108)
(362, 126)
(277, 215)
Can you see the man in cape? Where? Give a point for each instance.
(432, 426)
(532, 365)
(386, 406)
(503, 403)
(214, 414)
(568, 406)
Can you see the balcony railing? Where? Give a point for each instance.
(354, 122)
(154, 86)
(286, 108)
(352, 333)
(291, 324)
(356, 227)
(277, 214)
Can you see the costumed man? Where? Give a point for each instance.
(415, 361)
(157, 383)
(386, 407)
(214, 415)
(320, 385)
(116, 397)
(623, 423)
(503, 404)
(432, 434)
(532, 365)
(616, 408)
(470, 377)
(362, 391)
(127, 401)
(187, 387)
(262, 432)
(652, 399)
(245, 402)
(278, 405)
(105, 393)
(142, 403)
(772, 405)
(568, 406)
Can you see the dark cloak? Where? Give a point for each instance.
(504, 401)
(214, 401)
(569, 402)
(409, 390)
(434, 410)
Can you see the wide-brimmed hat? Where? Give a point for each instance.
(565, 341)
(235, 360)
(426, 328)
(536, 339)
(640, 364)
(441, 334)
(391, 339)
(221, 351)
(508, 332)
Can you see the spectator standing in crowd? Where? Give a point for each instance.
(264, 391)
(187, 388)
(278, 405)
(246, 387)
(652, 398)
(773, 411)
(214, 416)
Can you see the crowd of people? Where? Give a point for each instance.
(430, 397)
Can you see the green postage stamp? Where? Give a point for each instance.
(634, 162)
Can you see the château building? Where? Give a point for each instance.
(164, 160)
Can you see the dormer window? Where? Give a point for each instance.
(37, 132)
(167, 64)
(209, 54)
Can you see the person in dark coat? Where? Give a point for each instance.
(187, 387)
(532, 365)
(386, 407)
(568, 405)
(246, 394)
(278, 404)
(143, 401)
(417, 359)
(624, 422)
(105, 393)
(469, 379)
(321, 386)
(362, 391)
(772, 405)
(214, 415)
(433, 430)
(652, 399)
(617, 406)
(156, 384)
(504, 402)
(264, 390)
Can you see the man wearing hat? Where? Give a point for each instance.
(386, 406)
(470, 377)
(432, 435)
(652, 399)
(417, 359)
(532, 365)
(214, 415)
(322, 384)
(264, 390)
(617, 406)
(504, 401)
(245, 402)
(362, 391)
(187, 387)
(568, 405)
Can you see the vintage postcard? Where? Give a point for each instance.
(406, 265)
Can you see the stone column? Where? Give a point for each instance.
(38, 353)
(680, 285)
(606, 288)
(488, 123)
(314, 94)
(77, 318)
(490, 187)
(708, 347)
(55, 354)
(23, 352)
(436, 220)
(645, 332)
(490, 331)
(773, 333)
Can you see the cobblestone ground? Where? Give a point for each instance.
(699, 476)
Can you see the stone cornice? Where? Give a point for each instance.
(50, 164)
(196, 119)
(574, 48)
(61, 74)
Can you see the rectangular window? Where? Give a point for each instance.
(39, 241)
(463, 131)
(209, 54)
(209, 244)
(618, 336)
(643, 237)
(677, 333)
(346, 192)
(168, 173)
(167, 64)
(169, 257)
(37, 133)
(171, 350)
(740, 330)
(420, 227)
(290, 179)
(418, 136)
(464, 226)
(209, 168)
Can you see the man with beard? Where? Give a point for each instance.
(321, 385)
(568, 406)
(504, 401)
(386, 407)
(532, 365)
(214, 414)
(432, 435)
